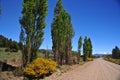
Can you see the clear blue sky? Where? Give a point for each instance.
(97, 19)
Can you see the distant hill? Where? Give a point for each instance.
(99, 55)
(49, 50)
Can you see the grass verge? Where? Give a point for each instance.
(116, 61)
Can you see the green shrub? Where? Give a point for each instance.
(25, 78)
(1, 50)
(14, 50)
(7, 50)
(18, 71)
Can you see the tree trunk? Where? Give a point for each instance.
(79, 59)
(56, 56)
(68, 56)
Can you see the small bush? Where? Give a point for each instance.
(7, 49)
(39, 67)
(25, 78)
(89, 59)
(1, 50)
(14, 50)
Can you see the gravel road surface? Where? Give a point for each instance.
(98, 69)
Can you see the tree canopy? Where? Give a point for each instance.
(62, 33)
(79, 47)
(116, 53)
(32, 24)
(87, 48)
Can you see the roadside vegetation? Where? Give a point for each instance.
(9, 44)
(116, 61)
(115, 57)
(40, 67)
(34, 63)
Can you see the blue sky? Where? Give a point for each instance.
(97, 19)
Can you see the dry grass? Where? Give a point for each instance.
(117, 61)
(12, 58)
(9, 76)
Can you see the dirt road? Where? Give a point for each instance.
(98, 69)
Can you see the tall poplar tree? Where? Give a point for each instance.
(69, 35)
(32, 24)
(55, 31)
(90, 48)
(87, 49)
(85, 54)
(79, 47)
(62, 33)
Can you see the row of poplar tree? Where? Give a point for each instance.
(32, 24)
(87, 48)
(62, 33)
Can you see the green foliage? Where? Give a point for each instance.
(14, 47)
(25, 78)
(59, 7)
(87, 48)
(79, 47)
(9, 44)
(32, 24)
(62, 33)
(80, 43)
(90, 48)
(20, 45)
(7, 50)
(115, 57)
(116, 53)
(39, 67)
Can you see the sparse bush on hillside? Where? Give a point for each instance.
(7, 49)
(1, 50)
(11, 50)
(9, 44)
(39, 68)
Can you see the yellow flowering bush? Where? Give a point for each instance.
(89, 59)
(40, 67)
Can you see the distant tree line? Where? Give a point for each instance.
(116, 53)
(9, 44)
